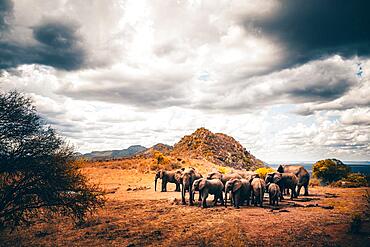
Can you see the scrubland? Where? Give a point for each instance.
(136, 215)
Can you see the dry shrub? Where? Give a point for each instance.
(314, 182)
(175, 166)
(353, 180)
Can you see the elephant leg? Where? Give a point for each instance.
(281, 194)
(191, 199)
(204, 199)
(295, 192)
(164, 185)
(177, 187)
(199, 197)
(222, 199)
(306, 189)
(183, 195)
(237, 200)
(299, 189)
(248, 200)
(292, 195)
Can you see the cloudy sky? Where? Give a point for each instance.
(289, 79)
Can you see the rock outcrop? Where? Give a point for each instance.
(217, 148)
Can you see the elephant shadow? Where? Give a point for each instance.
(297, 202)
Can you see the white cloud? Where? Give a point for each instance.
(160, 69)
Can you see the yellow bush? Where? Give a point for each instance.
(224, 170)
(161, 159)
(263, 171)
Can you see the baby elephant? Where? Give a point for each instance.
(240, 189)
(284, 181)
(258, 190)
(274, 193)
(209, 186)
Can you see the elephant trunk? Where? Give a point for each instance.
(155, 184)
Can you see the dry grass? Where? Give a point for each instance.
(148, 218)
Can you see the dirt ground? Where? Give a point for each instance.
(136, 215)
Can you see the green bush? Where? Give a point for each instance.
(330, 170)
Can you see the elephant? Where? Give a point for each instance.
(283, 180)
(223, 177)
(301, 173)
(206, 187)
(274, 193)
(258, 191)
(241, 191)
(167, 177)
(246, 174)
(188, 176)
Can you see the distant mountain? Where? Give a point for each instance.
(160, 147)
(113, 154)
(217, 148)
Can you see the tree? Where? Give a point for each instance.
(330, 170)
(38, 176)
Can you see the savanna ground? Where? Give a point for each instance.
(136, 215)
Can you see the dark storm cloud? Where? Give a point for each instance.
(324, 91)
(58, 46)
(313, 29)
(6, 9)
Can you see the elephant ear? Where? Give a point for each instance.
(280, 169)
(277, 177)
(202, 184)
(237, 185)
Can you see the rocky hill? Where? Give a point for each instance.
(149, 153)
(114, 154)
(218, 148)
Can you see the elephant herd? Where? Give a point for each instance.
(243, 186)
